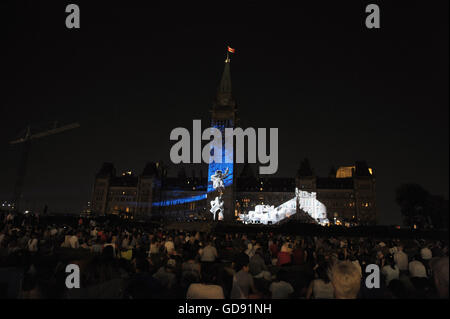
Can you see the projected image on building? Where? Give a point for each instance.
(220, 175)
(309, 209)
(226, 164)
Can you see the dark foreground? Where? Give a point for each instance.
(120, 259)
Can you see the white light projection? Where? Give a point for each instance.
(265, 214)
(308, 202)
(218, 184)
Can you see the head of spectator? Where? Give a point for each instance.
(241, 262)
(425, 253)
(282, 275)
(346, 280)
(171, 265)
(209, 275)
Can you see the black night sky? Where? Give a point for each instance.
(338, 92)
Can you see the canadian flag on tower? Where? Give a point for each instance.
(230, 49)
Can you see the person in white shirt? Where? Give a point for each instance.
(417, 269)
(281, 288)
(169, 245)
(321, 287)
(209, 253)
(204, 291)
(390, 270)
(154, 247)
(207, 289)
(401, 259)
(357, 264)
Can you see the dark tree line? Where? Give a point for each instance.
(420, 208)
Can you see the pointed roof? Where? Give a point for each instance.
(305, 169)
(150, 169)
(107, 170)
(224, 105)
(225, 82)
(361, 169)
(332, 172)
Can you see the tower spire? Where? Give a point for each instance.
(225, 82)
(223, 115)
(224, 97)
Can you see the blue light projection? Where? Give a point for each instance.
(227, 159)
(227, 162)
(179, 201)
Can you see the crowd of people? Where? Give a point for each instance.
(137, 261)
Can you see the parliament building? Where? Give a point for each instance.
(348, 192)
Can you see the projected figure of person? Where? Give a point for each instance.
(217, 208)
(218, 184)
(218, 180)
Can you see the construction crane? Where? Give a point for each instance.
(25, 140)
